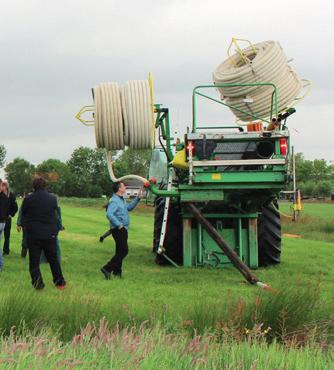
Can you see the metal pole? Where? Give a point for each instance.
(294, 216)
(199, 245)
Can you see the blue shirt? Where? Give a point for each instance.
(118, 211)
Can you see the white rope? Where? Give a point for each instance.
(123, 117)
(269, 64)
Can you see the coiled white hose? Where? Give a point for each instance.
(109, 133)
(136, 105)
(123, 117)
(266, 62)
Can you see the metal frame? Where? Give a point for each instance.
(162, 121)
(252, 116)
(196, 253)
(240, 162)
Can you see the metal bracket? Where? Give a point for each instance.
(85, 109)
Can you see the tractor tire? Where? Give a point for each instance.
(269, 236)
(173, 239)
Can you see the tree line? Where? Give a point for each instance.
(85, 174)
(314, 178)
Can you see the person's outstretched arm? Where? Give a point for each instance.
(133, 204)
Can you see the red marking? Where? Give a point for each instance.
(283, 143)
(190, 146)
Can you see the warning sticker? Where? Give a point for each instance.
(216, 176)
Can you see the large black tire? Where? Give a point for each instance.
(269, 236)
(173, 239)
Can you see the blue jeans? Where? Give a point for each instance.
(2, 227)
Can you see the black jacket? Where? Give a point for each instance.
(4, 206)
(12, 207)
(39, 213)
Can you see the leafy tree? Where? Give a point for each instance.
(2, 155)
(88, 167)
(78, 186)
(57, 173)
(303, 168)
(307, 188)
(322, 189)
(80, 162)
(316, 170)
(133, 161)
(19, 174)
(314, 178)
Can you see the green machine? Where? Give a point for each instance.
(220, 178)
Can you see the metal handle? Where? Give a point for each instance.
(85, 109)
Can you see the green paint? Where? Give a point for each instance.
(235, 193)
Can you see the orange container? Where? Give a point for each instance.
(254, 126)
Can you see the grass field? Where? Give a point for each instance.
(316, 221)
(175, 304)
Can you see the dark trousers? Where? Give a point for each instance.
(24, 244)
(6, 234)
(35, 247)
(121, 241)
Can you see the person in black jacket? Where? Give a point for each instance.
(12, 209)
(39, 213)
(4, 204)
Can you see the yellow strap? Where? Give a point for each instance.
(239, 50)
(150, 82)
(308, 86)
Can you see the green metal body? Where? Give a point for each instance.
(230, 192)
(199, 249)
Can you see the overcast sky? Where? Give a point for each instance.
(53, 52)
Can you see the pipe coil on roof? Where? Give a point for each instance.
(267, 63)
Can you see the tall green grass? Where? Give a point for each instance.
(101, 347)
(314, 222)
(182, 302)
(293, 314)
(308, 227)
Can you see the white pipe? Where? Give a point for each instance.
(123, 117)
(269, 64)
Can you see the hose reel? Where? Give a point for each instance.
(123, 116)
(262, 62)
